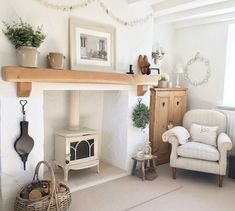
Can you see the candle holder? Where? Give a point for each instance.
(131, 71)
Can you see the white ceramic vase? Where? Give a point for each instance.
(27, 56)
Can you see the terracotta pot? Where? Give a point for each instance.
(27, 56)
(162, 84)
(56, 60)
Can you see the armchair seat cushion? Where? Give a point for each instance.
(198, 151)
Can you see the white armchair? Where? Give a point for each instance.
(201, 156)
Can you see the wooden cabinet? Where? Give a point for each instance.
(167, 107)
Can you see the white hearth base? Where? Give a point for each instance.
(86, 178)
(80, 166)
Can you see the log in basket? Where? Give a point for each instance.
(54, 200)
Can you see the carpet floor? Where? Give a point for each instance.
(190, 191)
(121, 194)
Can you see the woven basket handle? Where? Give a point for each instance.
(53, 181)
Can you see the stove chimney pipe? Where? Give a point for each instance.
(74, 110)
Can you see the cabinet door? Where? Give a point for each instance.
(166, 107)
(162, 118)
(178, 107)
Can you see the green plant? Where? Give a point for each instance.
(23, 34)
(164, 77)
(141, 115)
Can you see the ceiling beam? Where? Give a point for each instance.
(169, 6)
(201, 21)
(200, 12)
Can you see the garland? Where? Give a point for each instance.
(86, 3)
(198, 58)
(141, 115)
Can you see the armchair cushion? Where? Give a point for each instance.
(198, 151)
(204, 134)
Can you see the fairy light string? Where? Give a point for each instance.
(106, 10)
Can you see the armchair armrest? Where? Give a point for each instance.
(179, 132)
(173, 140)
(224, 142)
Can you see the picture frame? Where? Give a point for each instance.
(92, 45)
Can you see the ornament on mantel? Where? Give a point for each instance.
(106, 10)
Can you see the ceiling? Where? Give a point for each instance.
(190, 12)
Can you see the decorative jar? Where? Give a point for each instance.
(147, 149)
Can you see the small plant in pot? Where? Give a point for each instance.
(163, 81)
(26, 40)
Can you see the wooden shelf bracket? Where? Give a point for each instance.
(24, 89)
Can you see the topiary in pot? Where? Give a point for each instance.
(163, 81)
(26, 41)
(141, 115)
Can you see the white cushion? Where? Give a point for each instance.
(204, 134)
(198, 151)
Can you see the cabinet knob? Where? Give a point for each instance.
(67, 161)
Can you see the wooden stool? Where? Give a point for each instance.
(144, 165)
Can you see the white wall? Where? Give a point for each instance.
(182, 44)
(211, 41)
(130, 42)
(55, 106)
(114, 128)
(164, 35)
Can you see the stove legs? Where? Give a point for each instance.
(66, 172)
(98, 169)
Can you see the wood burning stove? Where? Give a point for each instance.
(76, 148)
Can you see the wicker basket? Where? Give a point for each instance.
(54, 201)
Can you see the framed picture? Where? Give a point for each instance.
(92, 46)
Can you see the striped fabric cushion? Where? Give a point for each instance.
(198, 151)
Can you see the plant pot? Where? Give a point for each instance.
(56, 60)
(27, 56)
(162, 84)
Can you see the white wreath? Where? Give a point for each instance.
(206, 62)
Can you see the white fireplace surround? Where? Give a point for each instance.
(105, 108)
(55, 25)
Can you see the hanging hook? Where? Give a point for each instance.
(23, 104)
(139, 100)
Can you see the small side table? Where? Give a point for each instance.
(144, 164)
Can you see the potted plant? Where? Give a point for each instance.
(163, 81)
(26, 41)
